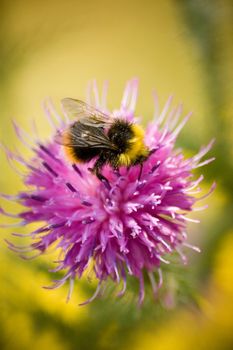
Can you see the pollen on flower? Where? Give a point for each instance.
(127, 225)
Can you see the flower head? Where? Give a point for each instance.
(125, 226)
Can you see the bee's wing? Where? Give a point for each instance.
(85, 113)
(84, 137)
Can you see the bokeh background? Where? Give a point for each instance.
(53, 48)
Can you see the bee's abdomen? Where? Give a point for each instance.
(84, 154)
(77, 153)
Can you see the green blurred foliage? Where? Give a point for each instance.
(53, 48)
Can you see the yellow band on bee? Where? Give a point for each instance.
(137, 147)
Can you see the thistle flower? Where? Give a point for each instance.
(129, 226)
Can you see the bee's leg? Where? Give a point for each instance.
(116, 171)
(141, 159)
(140, 171)
(153, 150)
(103, 179)
(140, 162)
(97, 171)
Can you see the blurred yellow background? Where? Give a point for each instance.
(53, 48)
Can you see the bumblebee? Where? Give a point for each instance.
(94, 134)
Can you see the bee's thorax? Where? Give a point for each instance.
(119, 134)
(129, 140)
